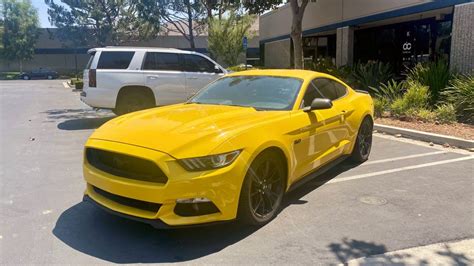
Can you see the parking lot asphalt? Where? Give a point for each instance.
(408, 194)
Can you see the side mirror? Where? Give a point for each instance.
(217, 70)
(319, 104)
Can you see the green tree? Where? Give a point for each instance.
(20, 30)
(232, 29)
(186, 17)
(104, 21)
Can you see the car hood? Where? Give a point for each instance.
(184, 130)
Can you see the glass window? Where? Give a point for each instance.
(115, 60)
(196, 63)
(326, 88)
(259, 92)
(162, 61)
(89, 63)
(341, 90)
(311, 93)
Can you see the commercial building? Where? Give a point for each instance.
(51, 53)
(401, 32)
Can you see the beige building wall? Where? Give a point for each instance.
(325, 12)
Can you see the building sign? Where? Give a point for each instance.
(408, 50)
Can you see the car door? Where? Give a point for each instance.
(36, 73)
(199, 72)
(163, 74)
(319, 134)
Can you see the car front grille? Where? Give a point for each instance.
(138, 204)
(125, 166)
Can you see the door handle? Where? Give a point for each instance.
(192, 78)
(153, 77)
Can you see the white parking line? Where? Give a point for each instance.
(349, 178)
(404, 157)
(421, 143)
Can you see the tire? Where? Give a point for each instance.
(132, 101)
(50, 77)
(26, 77)
(262, 190)
(363, 143)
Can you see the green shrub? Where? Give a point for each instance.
(391, 90)
(79, 85)
(380, 106)
(423, 114)
(460, 94)
(416, 98)
(325, 65)
(445, 113)
(398, 107)
(371, 74)
(435, 75)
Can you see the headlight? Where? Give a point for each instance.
(209, 162)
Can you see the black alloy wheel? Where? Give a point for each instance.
(363, 143)
(263, 189)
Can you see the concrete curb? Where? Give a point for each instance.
(425, 136)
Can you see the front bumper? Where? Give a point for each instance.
(220, 186)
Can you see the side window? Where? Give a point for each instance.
(196, 63)
(89, 63)
(114, 60)
(341, 90)
(162, 61)
(311, 93)
(326, 87)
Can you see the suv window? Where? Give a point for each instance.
(162, 61)
(89, 63)
(196, 63)
(115, 60)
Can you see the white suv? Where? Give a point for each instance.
(126, 79)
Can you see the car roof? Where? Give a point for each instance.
(132, 48)
(294, 73)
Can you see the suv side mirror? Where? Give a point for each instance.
(217, 69)
(319, 104)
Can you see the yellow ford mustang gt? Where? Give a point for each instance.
(232, 151)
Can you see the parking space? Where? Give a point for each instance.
(408, 194)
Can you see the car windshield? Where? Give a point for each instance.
(259, 92)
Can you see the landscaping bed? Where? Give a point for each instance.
(459, 130)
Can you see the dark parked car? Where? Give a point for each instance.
(41, 73)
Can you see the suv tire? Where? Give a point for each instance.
(132, 101)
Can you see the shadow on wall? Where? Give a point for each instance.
(78, 119)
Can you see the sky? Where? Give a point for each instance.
(42, 13)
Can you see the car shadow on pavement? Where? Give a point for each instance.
(97, 233)
(78, 119)
(92, 231)
(83, 123)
